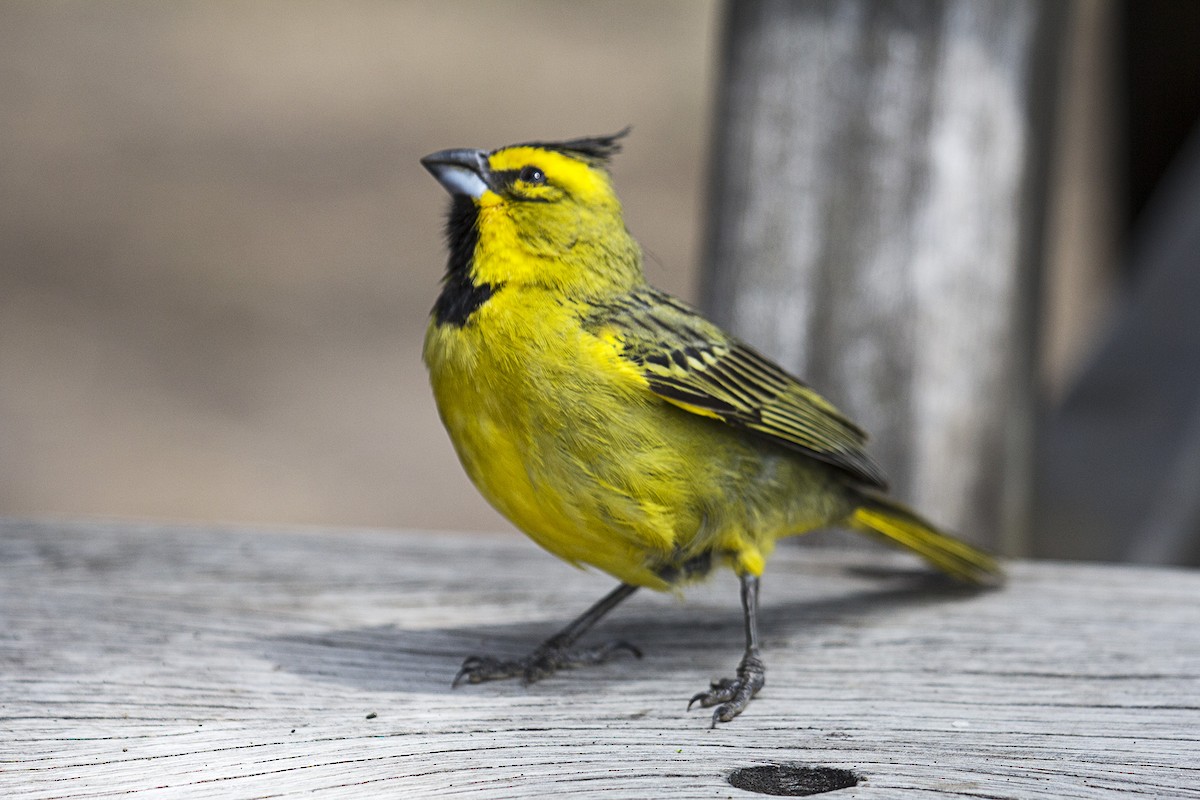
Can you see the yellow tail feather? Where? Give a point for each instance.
(894, 522)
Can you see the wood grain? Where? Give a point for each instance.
(875, 218)
(172, 662)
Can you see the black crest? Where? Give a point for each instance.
(596, 150)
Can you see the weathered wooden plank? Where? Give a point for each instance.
(875, 218)
(173, 662)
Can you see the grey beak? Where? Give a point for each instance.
(461, 171)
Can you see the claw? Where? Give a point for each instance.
(478, 669)
(732, 695)
(463, 672)
(541, 663)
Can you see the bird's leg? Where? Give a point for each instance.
(556, 652)
(734, 694)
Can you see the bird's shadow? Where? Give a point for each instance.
(676, 638)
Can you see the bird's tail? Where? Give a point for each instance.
(883, 517)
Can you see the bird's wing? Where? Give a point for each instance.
(691, 363)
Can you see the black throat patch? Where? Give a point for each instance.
(461, 296)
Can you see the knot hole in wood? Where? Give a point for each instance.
(792, 780)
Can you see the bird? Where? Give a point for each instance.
(617, 426)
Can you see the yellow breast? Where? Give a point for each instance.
(561, 435)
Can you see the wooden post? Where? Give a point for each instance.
(875, 224)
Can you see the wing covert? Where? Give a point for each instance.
(693, 364)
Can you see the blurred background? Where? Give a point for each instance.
(218, 249)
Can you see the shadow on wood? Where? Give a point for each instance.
(681, 643)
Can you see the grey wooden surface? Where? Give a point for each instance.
(876, 208)
(172, 662)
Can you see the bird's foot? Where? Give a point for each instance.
(733, 694)
(543, 662)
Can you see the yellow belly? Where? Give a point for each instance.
(563, 437)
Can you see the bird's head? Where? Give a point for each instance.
(538, 214)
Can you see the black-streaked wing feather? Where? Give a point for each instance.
(691, 363)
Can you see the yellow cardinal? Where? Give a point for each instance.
(614, 424)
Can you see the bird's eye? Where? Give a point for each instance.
(532, 175)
